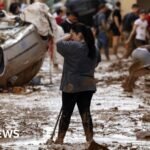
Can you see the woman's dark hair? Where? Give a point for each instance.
(88, 37)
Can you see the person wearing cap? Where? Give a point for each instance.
(140, 28)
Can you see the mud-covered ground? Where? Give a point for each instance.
(120, 119)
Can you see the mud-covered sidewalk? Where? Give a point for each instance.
(120, 119)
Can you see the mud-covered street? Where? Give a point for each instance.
(121, 120)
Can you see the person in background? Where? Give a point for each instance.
(101, 30)
(116, 27)
(108, 11)
(78, 84)
(128, 22)
(14, 7)
(60, 16)
(23, 5)
(140, 67)
(2, 5)
(148, 20)
(57, 58)
(139, 30)
(72, 17)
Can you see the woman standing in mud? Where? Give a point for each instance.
(78, 83)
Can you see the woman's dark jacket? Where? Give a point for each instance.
(78, 69)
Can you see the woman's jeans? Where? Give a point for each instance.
(83, 101)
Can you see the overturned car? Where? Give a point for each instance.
(23, 47)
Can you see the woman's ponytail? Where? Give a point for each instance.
(88, 37)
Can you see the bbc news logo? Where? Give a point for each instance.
(5, 134)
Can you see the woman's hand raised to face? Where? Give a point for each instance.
(66, 37)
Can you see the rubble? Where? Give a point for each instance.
(143, 135)
(146, 117)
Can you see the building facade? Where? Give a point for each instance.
(126, 4)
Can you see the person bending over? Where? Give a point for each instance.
(140, 67)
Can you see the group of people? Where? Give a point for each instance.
(133, 29)
(126, 27)
(80, 57)
(136, 30)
